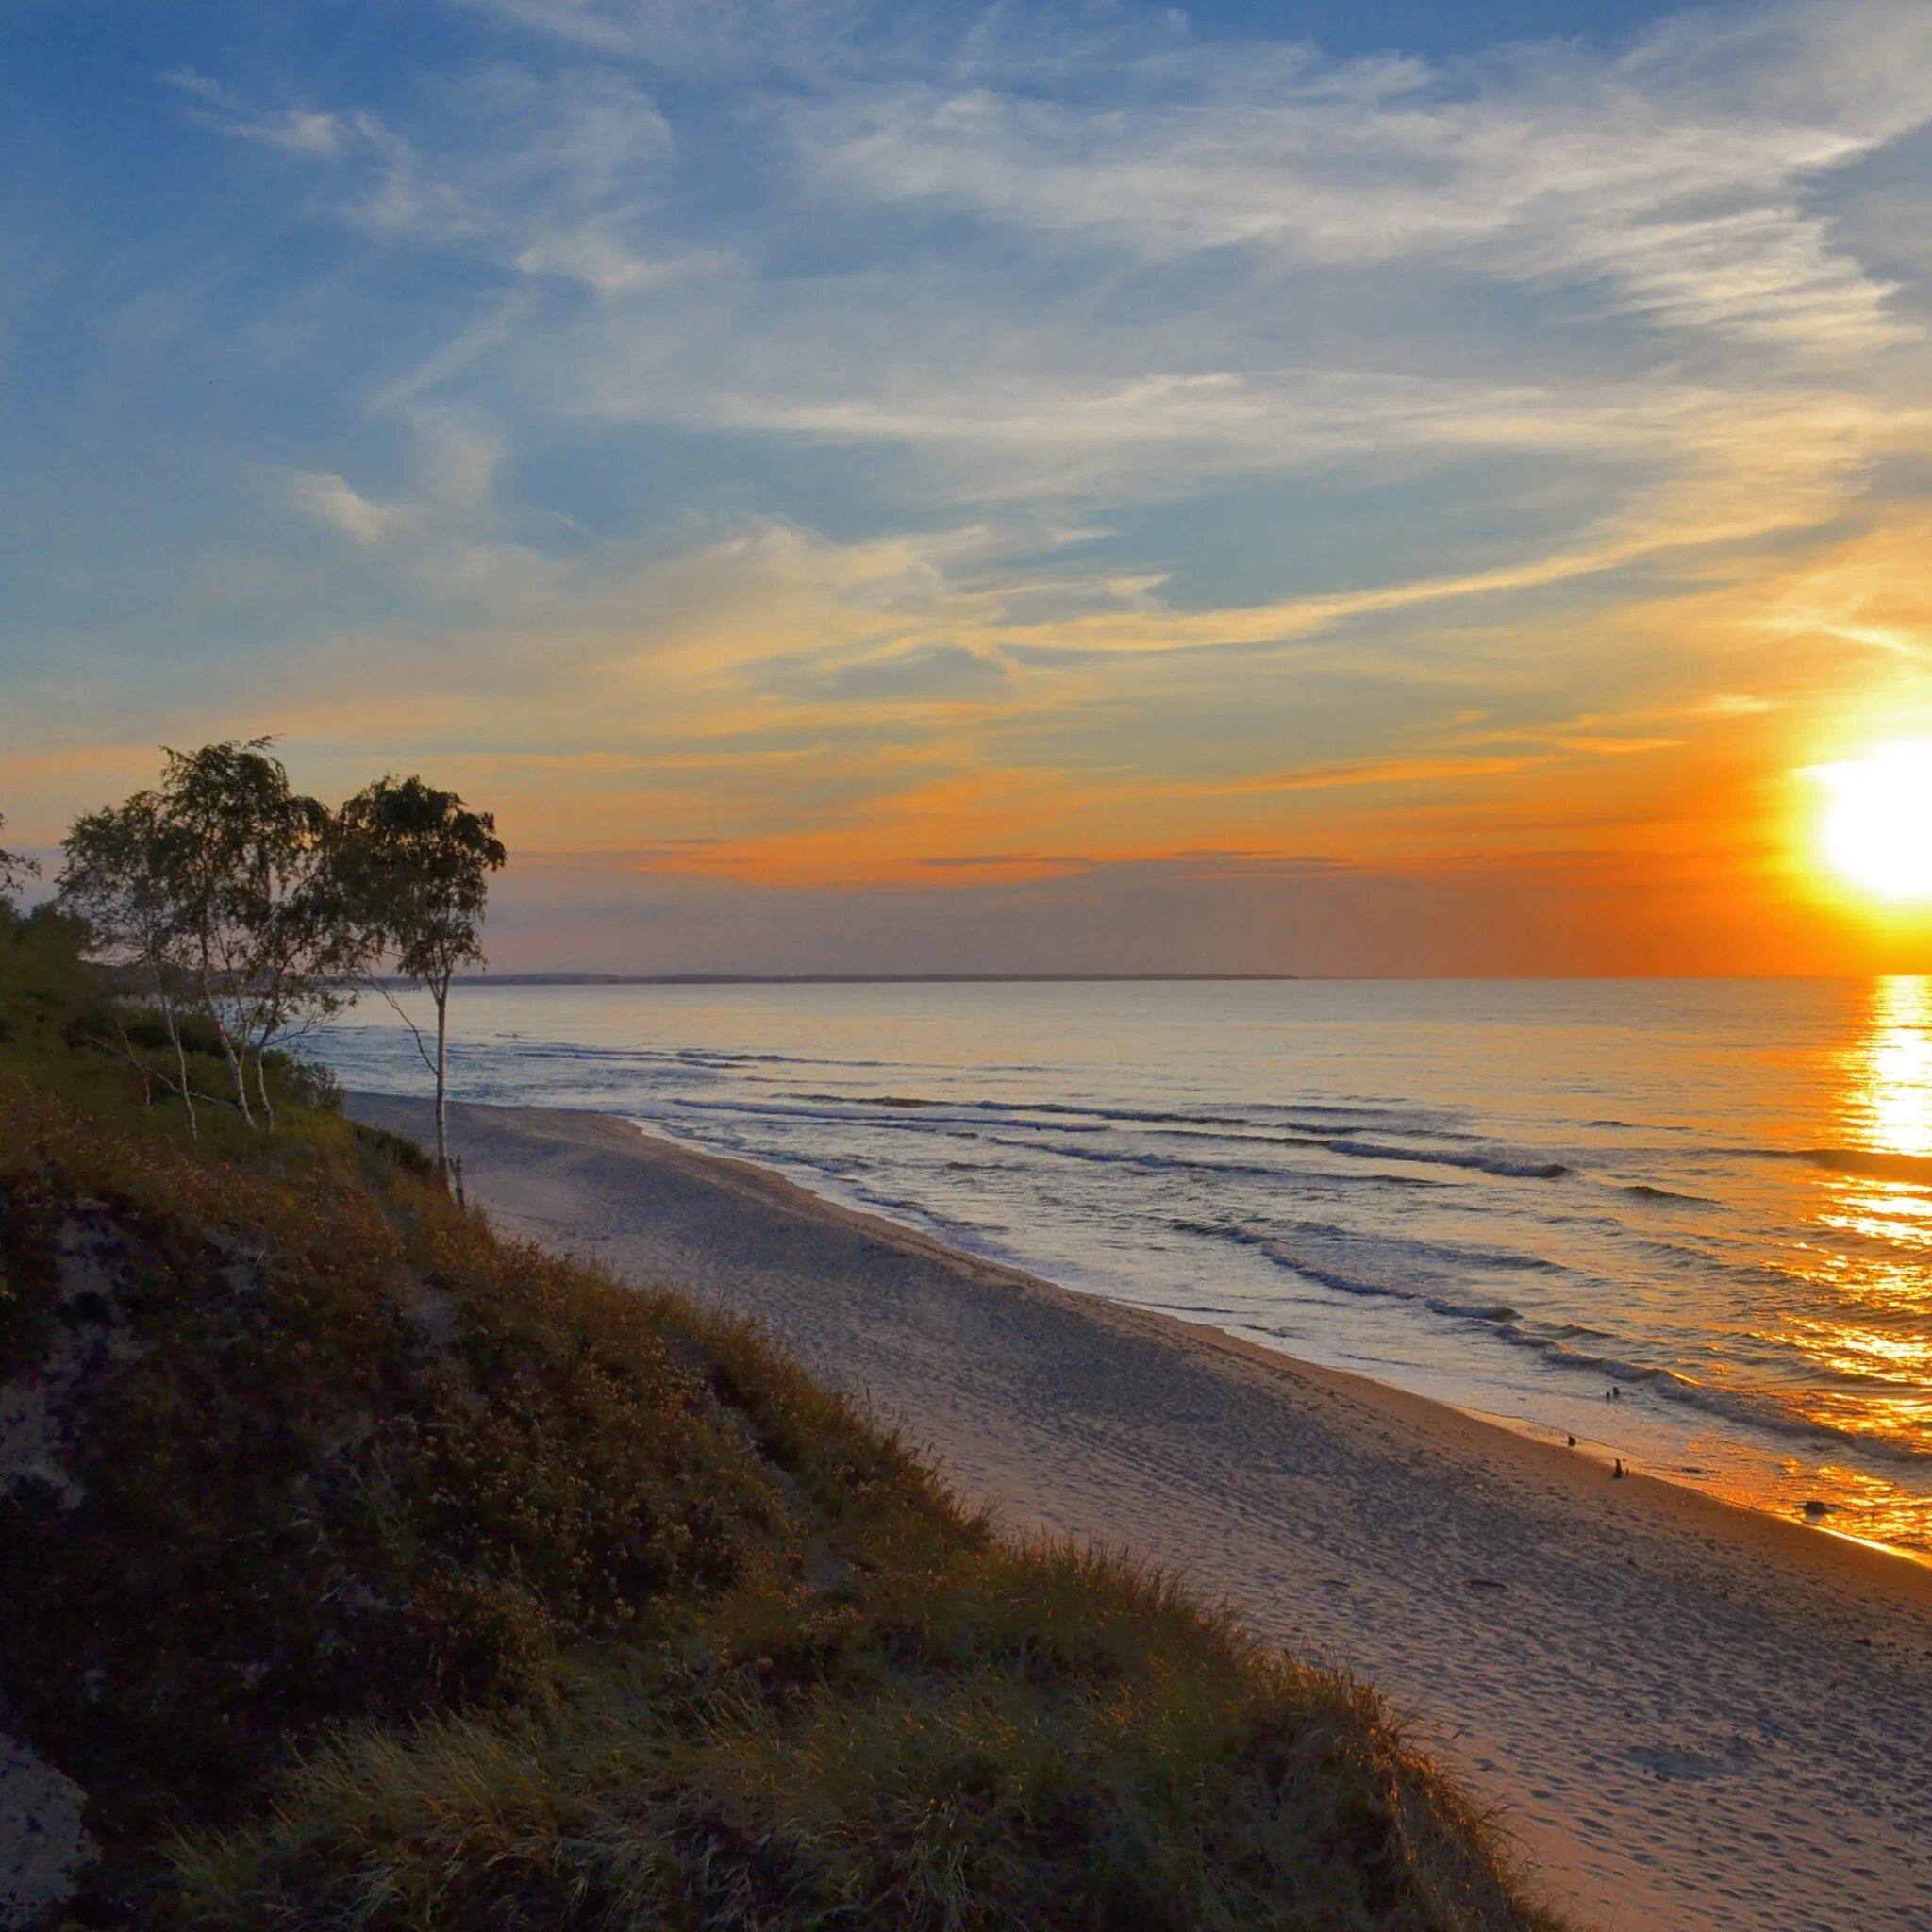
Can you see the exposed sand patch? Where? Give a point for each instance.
(1694, 1717)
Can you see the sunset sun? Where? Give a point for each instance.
(1877, 825)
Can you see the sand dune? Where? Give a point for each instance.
(1691, 1716)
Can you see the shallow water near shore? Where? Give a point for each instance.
(1689, 1223)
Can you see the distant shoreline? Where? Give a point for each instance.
(869, 978)
(476, 979)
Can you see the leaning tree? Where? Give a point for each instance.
(216, 886)
(120, 879)
(413, 866)
(250, 861)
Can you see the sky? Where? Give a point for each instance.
(1416, 486)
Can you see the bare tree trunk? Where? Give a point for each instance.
(237, 1073)
(268, 1107)
(442, 995)
(140, 1065)
(166, 1001)
(167, 1004)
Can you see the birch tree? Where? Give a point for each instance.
(218, 885)
(258, 905)
(120, 879)
(413, 864)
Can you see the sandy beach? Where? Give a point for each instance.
(1689, 1716)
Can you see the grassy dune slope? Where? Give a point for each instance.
(373, 1572)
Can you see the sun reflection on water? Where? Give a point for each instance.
(1889, 1104)
(1871, 1345)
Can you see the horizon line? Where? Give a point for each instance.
(528, 979)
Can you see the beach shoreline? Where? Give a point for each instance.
(1691, 1714)
(1792, 1540)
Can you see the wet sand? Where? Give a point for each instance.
(1688, 1715)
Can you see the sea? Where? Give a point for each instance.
(1687, 1222)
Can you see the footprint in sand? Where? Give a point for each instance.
(1676, 1762)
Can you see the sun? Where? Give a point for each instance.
(1877, 825)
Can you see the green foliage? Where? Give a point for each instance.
(413, 866)
(68, 1028)
(41, 987)
(415, 863)
(413, 1578)
(15, 869)
(1031, 1738)
(246, 911)
(215, 893)
(397, 1149)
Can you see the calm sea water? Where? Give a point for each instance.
(1714, 1197)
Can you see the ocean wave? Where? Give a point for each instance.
(1438, 1254)
(966, 1116)
(1153, 1163)
(1313, 1125)
(1298, 1260)
(1324, 1274)
(1054, 1118)
(1509, 1166)
(1757, 1409)
(663, 1055)
(1879, 1163)
(1172, 1163)
(1307, 1136)
(1054, 1109)
(1571, 1347)
(1478, 1160)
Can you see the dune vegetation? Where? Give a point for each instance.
(367, 1570)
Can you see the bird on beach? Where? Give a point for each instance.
(1617, 1471)
(1572, 1441)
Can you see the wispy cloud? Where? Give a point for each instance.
(298, 131)
(833, 442)
(328, 496)
(1674, 176)
(544, 177)
(1279, 223)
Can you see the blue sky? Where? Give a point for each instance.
(1400, 487)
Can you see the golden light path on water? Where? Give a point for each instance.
(1892, 1101)
(1878, 1347)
